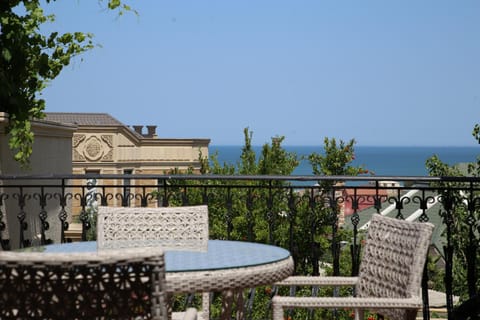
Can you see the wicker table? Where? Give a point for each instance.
(227, 266)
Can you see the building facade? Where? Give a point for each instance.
(102, 144)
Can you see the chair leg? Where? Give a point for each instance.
(359, 314)
(206, 305)
(277, 312)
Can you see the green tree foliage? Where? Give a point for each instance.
(335, 160)
(462, 220)
(322, 213)
(29, 60)
(248, 157)
(250, 210)
(474, 168)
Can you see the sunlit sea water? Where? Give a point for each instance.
(383, 161)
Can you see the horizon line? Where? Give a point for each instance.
(358, 145)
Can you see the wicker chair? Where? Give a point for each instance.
(172, 228)
(113, 284)
(389, 280)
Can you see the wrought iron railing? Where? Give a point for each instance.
(296, 212)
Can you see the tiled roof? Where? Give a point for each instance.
(83, 119)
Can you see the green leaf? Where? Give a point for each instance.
(6, 54)
(113, 4)
(80, 36)
(43, 66)
(51, 39)
(65, 38)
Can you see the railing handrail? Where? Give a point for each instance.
(245, 177)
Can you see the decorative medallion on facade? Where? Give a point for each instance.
(93, 148)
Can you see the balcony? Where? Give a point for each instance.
(320, 220)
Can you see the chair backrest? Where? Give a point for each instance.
(393, 260)
(174, 228)
(111, 284)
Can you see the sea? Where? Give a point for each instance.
(382, 160)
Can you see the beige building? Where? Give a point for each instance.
(102, 144)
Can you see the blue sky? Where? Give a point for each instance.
(382, 72)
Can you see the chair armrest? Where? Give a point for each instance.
(317, 281)
(347, 302)
(281, 303)
(190, 314)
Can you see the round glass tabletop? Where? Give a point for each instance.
(221, 254)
